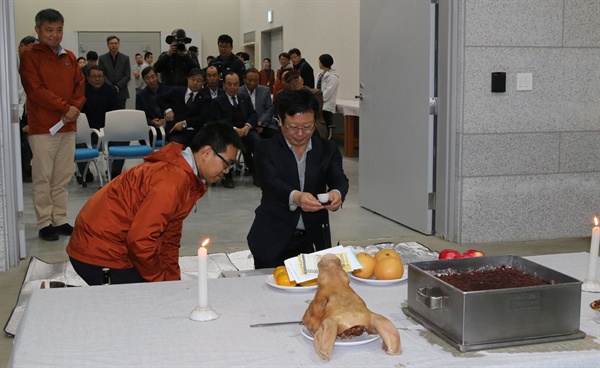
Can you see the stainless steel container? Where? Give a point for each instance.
(476, 320)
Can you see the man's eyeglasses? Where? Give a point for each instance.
(297, 129)
(94, 76)
(228, 165)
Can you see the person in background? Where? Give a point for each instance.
(137, 73)
(117, 69)
(81, 61)
(227, 61)
(245, 58)
(147, 99)
(293, 167)
(262, 102)
(194, 54)
(148, 58)
(328, 82)
(55, 88)
(212, 83)
(209, 60)
(284, 64)
(100, 98)
(186, 109)
(175, 64)
(25, 149)
(91, 60)
(267, 75)
(303, 67)
(133, 224)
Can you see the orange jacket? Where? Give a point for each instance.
(52, 84)
(136, 219)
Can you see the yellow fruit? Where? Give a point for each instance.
(308, 283)
(283, 279)
(278, 270)
(368, 265)
(389, 268)
(386, 253)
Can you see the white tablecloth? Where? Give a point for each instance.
(147, 325)
(348, 107)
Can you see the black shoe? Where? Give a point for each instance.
(48, 233)
(89, 177)
(64, 229)
(228, 181)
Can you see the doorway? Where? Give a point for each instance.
(271, 46)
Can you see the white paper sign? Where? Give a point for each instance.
(56, 127)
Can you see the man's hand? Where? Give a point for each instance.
(25, 129)
(177, 127)
(307, 202)
(336, 201)
(172, 49)
(170, 116)
(117, 88)
(136, 74)
(157, 123)
(242, 132)
(71, 115)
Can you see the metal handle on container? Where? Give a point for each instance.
(430, 301)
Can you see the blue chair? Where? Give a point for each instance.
(89, 154)
(126, 126)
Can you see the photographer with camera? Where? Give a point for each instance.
(175, 64)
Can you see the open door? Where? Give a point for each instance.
(397, 123)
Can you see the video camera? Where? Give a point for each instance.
(178, 38)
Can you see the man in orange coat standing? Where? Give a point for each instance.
(55, 89)
(133, 224)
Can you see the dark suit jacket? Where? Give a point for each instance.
(195, 116)
(221, 109)
(119, 74)
(262, 104)
(147, 101)
(277, 172)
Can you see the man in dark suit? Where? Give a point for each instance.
(237, 110)
(261, 100)
(212, 83)
(293, 167)
(186, 109)
(116, 69)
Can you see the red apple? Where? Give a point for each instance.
(450, 254)
(473, 253)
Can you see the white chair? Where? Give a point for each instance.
(87, 154)
(126, 126)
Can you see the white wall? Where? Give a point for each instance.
(314, 27)
(211, 18)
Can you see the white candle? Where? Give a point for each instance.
(594, 245)
(203, 275)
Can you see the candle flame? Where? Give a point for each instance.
(596, 220)
(205, 242)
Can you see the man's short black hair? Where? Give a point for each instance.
(112, 37)
(95, 67)
(138, 54)
(217, 135)
(285, 55)
(196, 71)
(326, 60)
(296, 102)
(147, 54)
(193, 48)
(91, 55)
(228, 73)
(295, 51)
(147, 70)
(210, 57)
(27, 40)
(225, 39)
(48, 15)
(244, 55)
(251, 70)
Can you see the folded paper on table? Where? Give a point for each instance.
(295, 267)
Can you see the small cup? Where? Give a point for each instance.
(324, 198)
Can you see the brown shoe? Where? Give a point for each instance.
(227, 181)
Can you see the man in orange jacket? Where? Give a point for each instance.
(55, 90)
(133, 224)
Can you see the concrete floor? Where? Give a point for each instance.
(225, 215)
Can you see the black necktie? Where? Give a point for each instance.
(190, 100)
(234, 100)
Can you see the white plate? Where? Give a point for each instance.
(270, 280)
(374, 281)
(365, 338)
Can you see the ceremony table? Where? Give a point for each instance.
(350, 109)
(147, 325)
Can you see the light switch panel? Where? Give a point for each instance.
(524, 81)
